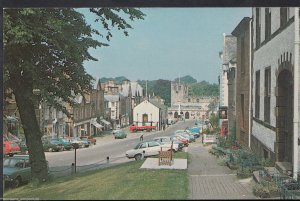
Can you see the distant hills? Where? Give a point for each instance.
(162, 87)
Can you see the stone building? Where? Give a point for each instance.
(185, 106)
(243, 82)
(227, 84)
(127, 95)
(87, 112)
(275, 125)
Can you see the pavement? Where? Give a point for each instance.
(209, 180)
(152, 163)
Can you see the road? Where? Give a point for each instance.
(108, 146)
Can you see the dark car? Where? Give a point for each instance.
(17, 170)
(90, 139)
(120, 134)
(23, 147)
(48, 146)
(64, 142)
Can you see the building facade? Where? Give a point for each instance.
(227, 84)
(150, 112)
(243, 82)
(275, 126)
(185, 106)
(87, 112)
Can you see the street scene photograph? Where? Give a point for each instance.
(151, 103)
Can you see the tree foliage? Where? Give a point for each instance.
(186, 79)
(44, 51)
(118, 80)
(203, 88)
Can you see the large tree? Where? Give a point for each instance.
(44, 51)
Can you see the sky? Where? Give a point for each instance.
(168, 43)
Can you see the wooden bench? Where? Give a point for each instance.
(165, 157)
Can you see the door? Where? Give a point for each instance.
(154, 148)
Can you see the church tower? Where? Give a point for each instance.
(179, 92)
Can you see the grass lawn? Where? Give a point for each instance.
(125, 181)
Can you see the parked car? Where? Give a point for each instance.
(77, 141)
(180, 138)
(168, 140)
(185, 135)
(10, 148)
(48, 146)
(17, 170)
(80, 142)
(85, 142)
(120, 134)
(195, 131)
(23, 147)
(67, 145)
(91, 139)
(148, 148)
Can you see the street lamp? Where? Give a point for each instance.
(137, 119)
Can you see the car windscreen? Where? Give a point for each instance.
(137, 146)
(12, 162)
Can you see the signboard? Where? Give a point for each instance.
(209, 138)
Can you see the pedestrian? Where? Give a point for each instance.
(142, 137)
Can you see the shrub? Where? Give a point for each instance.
(266, 189)
(261, 191)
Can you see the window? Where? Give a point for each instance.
(145, 119)
(153, 144)
(283, 16)
(257, 93)
(242, 111)
(267, 24)
(267, 95)
(197, 100)
(257, 27)
(143, 146)
(189, 100)
(242, 55)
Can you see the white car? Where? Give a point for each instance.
(168, 140)
(148, 148)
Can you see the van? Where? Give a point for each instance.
(10, 148)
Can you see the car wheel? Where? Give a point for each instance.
(16, 182)
(138, 157)
(10, 154)
(94, 143)
(134, 130)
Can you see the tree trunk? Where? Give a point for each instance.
(23, 94)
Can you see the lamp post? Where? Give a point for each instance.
(151, 118)
(137, 119)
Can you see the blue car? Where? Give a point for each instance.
(195, 131)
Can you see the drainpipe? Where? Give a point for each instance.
(296, 95)
(250, 84)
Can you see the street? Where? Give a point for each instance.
(108, 146)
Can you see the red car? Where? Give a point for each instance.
(10, 148)
(181, 139)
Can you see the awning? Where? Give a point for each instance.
(104, 121)
(95, 123)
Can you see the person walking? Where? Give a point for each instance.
(142, 137)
